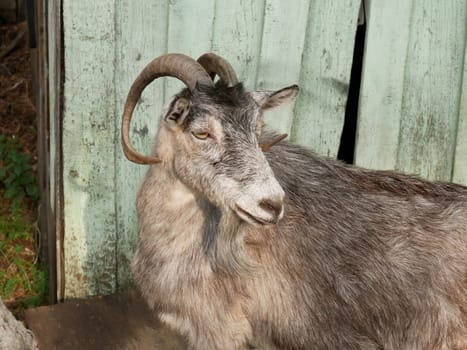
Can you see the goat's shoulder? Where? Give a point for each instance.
(300, 169)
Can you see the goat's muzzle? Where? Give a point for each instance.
(266, 211)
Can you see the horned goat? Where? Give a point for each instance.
(243, 245)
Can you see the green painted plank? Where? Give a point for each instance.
(189, 31)
(409, 112)
(238, 27)
(431, 90)
(88, 148)
(281, 55)
(324, 81)
(382, 83)
(141, 35)
(460, 161)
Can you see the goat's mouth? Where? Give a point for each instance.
(253, 219)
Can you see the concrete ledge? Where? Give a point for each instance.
(120, 321)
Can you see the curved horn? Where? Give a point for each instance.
(214, 64)
(266, 146)
(179, 66)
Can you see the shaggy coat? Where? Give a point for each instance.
(360, 259)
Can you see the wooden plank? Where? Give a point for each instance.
(325, 74)
(190, 26)
(56, 229)
(141, 35)
(89, 148)
(46, 220)
(281, 55)
(430, 106)
(381, 92)
(39, 94)
(238, 28)
(50, 37)
(411, 86)
(460, 160)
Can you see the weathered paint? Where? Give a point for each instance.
(460, 159)
(382, 80)
(89, 148)
(430, 106)
(325, 74)
(237, 33)
(276, 71)
(141, 33)
(190, 31)
(411, 88)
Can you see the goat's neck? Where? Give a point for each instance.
(170, 218)
(219, 232)
(223, 242)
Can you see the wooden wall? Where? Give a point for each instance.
(410, 119)
(106, 43)
(413, 114)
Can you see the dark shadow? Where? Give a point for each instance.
(118, 321)
(347, 144)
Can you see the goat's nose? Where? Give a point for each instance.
(271, 206)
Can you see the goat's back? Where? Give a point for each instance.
(364, 259)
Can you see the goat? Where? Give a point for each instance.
(246, 243)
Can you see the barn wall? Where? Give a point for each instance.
(413, 114)
(107, 43)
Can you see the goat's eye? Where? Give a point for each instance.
(200, 135)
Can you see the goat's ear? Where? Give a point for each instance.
(177, 111)
(271, 99)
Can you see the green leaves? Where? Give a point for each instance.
(23, 281)
(16, 174)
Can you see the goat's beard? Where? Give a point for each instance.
(226, 250)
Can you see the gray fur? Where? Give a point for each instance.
(360, 259)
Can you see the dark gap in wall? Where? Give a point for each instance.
(347, 144)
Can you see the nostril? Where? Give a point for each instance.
(272, 207)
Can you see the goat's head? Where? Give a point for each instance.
(209, 136)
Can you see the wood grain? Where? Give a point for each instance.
(433, 73)
(280, 59)
(325, 74)
(141, 35)
(237, 33)
(382, 81)
(409, 112)
(89, 148)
